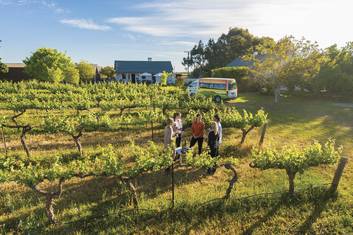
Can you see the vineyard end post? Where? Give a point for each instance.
(173, 183)
(263, 133)
(338, 174)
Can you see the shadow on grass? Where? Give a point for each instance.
(320, 206)
(185, 218)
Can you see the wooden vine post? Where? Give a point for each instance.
(263, 134)
(3, 139)
(338, 174)
(173, 183)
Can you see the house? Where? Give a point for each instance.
(141, 71)
(16, 73)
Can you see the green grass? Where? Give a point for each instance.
(258, 205)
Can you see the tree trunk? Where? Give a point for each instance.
(245, 133)
(291, 177)
(25, 129)
(243, 136)
(152, 130)
(232, 181)
(133, 191)
(277, 92)
(17, 116)
(263, 134)
(121, 111)
(49, 203)
(49, 208)
(4, 139)
(78, 144)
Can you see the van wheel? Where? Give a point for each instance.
(217, 99)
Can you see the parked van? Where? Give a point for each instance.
(217, 88)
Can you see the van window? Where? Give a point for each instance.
(205, 85)
(218, 86)
(232, 86)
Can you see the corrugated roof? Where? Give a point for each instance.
(15, 65)
(152, 67)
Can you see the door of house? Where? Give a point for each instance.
(133, 78)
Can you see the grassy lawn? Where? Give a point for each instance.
(258, 205)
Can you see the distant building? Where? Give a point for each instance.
(16, 73)
(141, 71)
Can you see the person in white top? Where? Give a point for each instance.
(178, 128)
(217, 119)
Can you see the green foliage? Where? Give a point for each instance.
(335, 76)
(164, 78)
(202, 160)
(288, 62)
(231, 117)
(231, 72)
(150, 158)
(216, 54)
(107, 72)
(3, 67)
(242, 75)
(72, 75)
(296, 159)
(86, 71)
(49, 65)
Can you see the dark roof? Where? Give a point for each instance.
(152, 67)
(239, 62)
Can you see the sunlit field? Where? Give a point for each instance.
(258, 204)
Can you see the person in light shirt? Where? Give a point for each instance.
(178, 129)
(217, 119)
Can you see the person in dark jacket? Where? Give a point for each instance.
(213, 144)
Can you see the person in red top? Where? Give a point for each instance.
(198, 129)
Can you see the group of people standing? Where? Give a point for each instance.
(174, 129)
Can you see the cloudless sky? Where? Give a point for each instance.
(101, 31)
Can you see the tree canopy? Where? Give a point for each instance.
(86, 70)
(336, 74)
(218, 53)
(288, 63)
(48, 64)
(3, 67)
(107, 72)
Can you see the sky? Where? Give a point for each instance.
(101, 31)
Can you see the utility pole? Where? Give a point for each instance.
(188, 52)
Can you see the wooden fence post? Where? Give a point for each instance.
(339, 171)
(263, 133)
(3, 139)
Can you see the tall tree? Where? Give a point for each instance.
(48, 64)
(86, 70)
